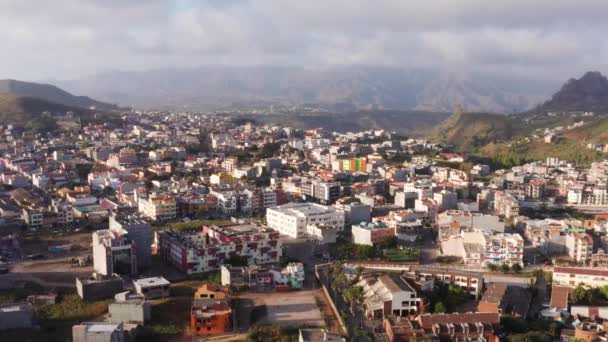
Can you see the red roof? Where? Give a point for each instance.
(427, 321)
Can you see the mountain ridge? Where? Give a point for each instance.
(50, 93)
(348, 87)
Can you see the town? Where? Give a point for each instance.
(172, 225)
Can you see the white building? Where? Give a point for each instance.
(113, 252)
(388, 295)
(322, 233)
(579, 246)
(154, 287)
(573, 276)
(158, 208)
(292, 219)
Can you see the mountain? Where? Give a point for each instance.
(588, 93)
(336, 88)
(51, 93)
(469, 131)
(36, 115)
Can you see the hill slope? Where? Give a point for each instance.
(473, 130)
(40, 116)
(588, 93)
(51, 93)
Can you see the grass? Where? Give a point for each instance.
(402, 255)
(56, 320)
(193, 225)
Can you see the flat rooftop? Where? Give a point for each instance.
(153, 281)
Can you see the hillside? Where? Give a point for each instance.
(586, 94)
(469, 131)
(39, 116)
(51, 93)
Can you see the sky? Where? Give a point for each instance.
(69, 39)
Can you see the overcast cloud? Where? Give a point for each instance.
(547, 39)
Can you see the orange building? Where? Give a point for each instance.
(211, 313)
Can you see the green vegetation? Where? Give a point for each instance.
(474, 130)
(386, 251)
(517, 153)
(582, 295)
(520, 330)
(272, 334)
(439, 308)
(72, 308)
(446, 297)
(194, 224)
(353, 295)
(449, 259)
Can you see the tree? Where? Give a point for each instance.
(353, 295)
(579, 294)
(504, 268)
(336, 269)
(339, 282)
(492, 267)
(517, 268)
(439, 308)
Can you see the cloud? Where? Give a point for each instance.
(72, 38)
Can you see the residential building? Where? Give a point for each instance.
(574, 276)
(480, 326)
(152, 288)
(114, 252)
(211, 312)
(372, 233)
(158, 208)
(579, 246)
(471, 282)
(129, 308)
(292, 219)
(504, 249)
(204, 251)
(388, 295)
(98, 332)
(138, 230)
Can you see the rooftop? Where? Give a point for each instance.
(153, 281)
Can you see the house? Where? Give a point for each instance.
(103, 332)
(292, 219)
(470, 281)
(504, 299)
(372, 233)
(461, 326)
(206, 250)
(211, 312)
(573, 276)
(114, 253)
(151, 288)
(129, 308)
(388, 295)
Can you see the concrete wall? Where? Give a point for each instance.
(138, 312)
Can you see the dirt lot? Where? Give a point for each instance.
(295, 308)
